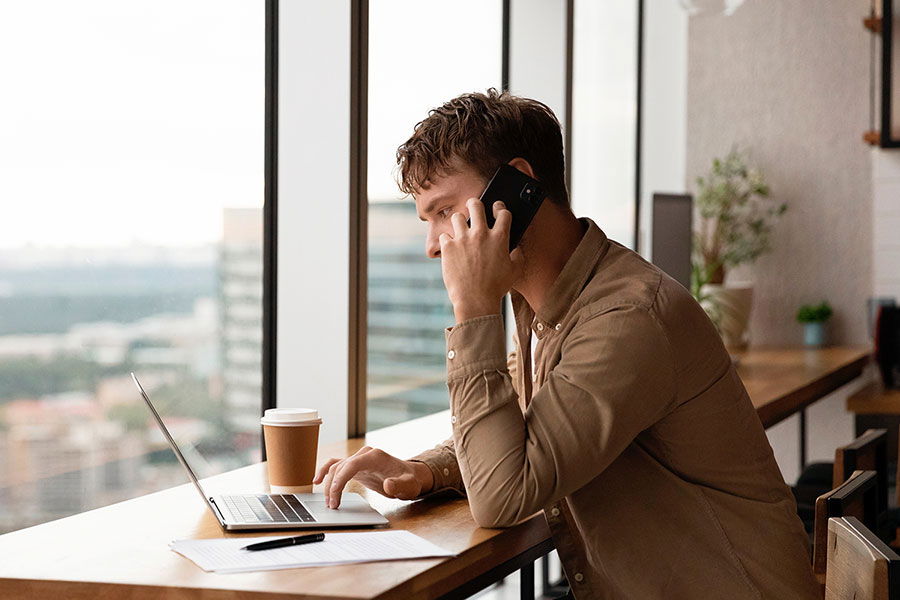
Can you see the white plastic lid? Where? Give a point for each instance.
(291, 416)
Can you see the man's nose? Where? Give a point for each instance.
(432, 245)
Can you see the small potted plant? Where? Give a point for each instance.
(735, 222)
(813, 318)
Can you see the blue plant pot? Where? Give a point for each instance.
(814, 334)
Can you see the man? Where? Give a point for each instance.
(630, 430)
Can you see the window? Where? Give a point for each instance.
(131, 177)
(413, 68)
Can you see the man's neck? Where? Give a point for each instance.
(551, 240)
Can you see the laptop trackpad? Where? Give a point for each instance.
(353, 508)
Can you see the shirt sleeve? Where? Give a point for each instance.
(444, 468)
(615, 379)
(442, 458)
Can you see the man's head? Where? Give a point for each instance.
(455, 150)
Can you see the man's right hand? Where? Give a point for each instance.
(377, 470)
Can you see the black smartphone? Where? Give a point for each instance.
(521, 194)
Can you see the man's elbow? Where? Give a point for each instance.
(493, 517)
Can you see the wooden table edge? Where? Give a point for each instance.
(15, 589)
(441, 581)
(774, 412)
(450, 585)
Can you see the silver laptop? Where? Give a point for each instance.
(275, 511)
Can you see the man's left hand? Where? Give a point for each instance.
(476, 263)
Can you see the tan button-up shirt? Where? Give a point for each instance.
(637, 439)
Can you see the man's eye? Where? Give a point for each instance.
(444, 213)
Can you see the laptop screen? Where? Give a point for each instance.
(185, 437)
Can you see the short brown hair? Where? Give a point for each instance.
(485, 131)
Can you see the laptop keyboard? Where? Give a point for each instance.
(268, 508)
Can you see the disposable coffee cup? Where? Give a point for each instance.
(292, 438)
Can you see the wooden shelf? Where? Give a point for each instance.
(873, 24)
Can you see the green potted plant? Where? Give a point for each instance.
(813, 317)
(734, 227)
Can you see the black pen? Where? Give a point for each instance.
(291, 541)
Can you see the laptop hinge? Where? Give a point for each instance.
(218, 510)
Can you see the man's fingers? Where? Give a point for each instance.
(497, 207)
(459, 225)
(320, 474)
(405, 487)
(476, 214)
(328, 477)
(344, 474)
(503, 219)
(323, 470)
(443, 240)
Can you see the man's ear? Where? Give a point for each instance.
(522, 165)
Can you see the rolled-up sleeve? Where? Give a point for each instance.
(615, 378)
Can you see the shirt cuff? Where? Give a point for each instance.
(476, 345)
(444, 471)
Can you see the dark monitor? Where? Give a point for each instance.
(672, 235)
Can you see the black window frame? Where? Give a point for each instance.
(357, 363)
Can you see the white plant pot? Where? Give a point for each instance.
(728, 306)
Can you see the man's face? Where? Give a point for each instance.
(446, 195)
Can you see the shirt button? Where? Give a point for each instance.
(554, 511)
(451, 355)
(540, 326)
(579, 577)
(558, 326)
(446, 472)
(453, 418)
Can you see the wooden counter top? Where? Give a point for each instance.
(92, 554)
(781, 381)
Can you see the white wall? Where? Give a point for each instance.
(790, 86)
(886, 223)
(313, 210)
(792, 101)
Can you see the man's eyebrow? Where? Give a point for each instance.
(431, 205)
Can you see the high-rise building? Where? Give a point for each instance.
(240, 294)
(408, 311)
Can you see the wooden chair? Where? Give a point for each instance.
(875, 406)
(856, 497)
(860, 566)
(867, 452)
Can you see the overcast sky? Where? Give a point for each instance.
(137, 121)
(128, 121)
(415, 66)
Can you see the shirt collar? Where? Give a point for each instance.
(568, 284)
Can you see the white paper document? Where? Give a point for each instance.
(224, 555)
